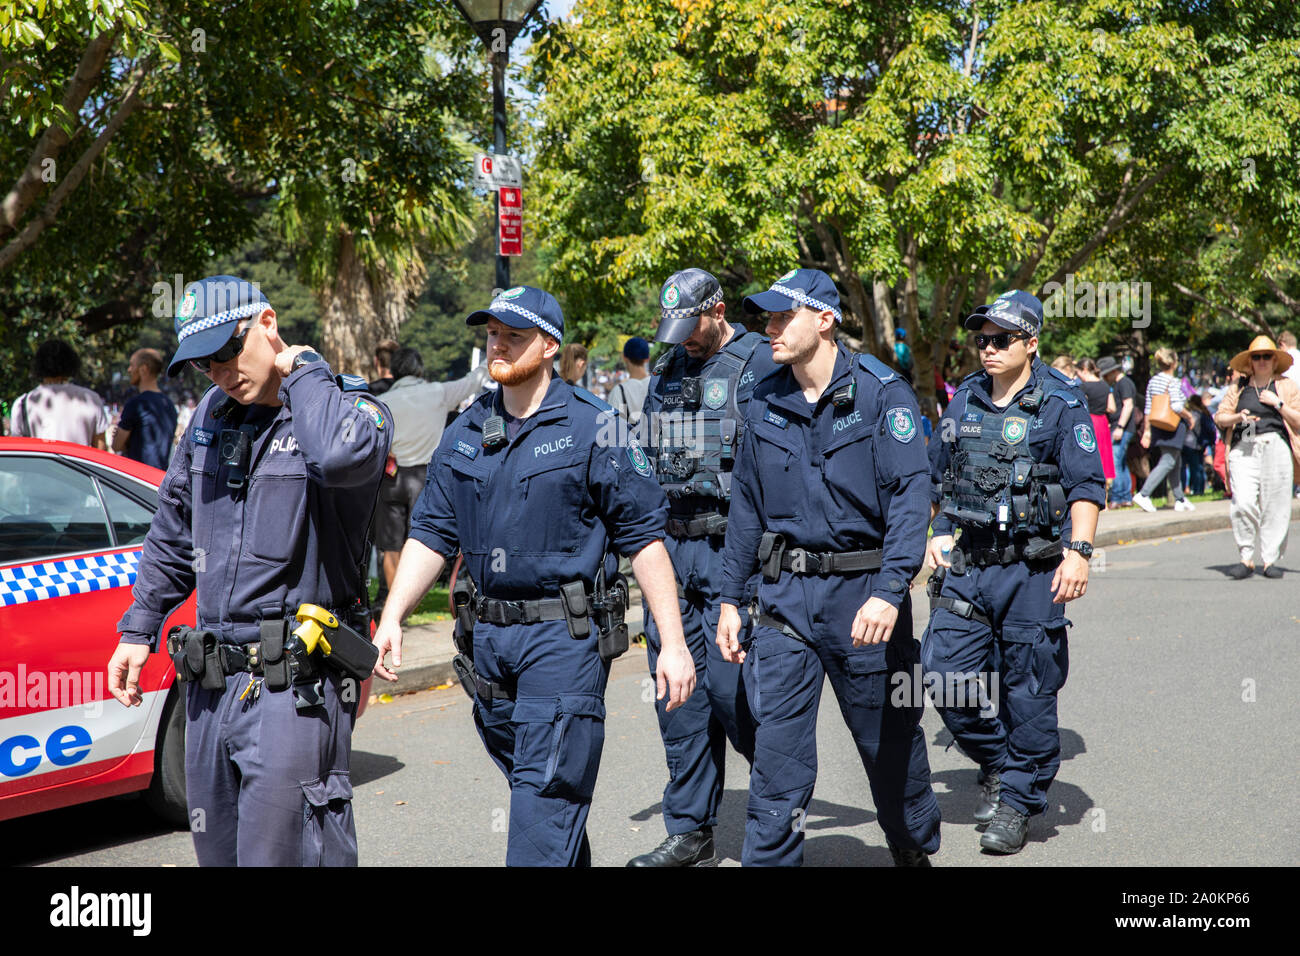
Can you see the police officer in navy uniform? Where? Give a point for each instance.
(533, 487)
(829, 502)
(264, 509)
(694, 413)
(1017, 470)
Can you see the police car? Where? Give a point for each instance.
(72, 523)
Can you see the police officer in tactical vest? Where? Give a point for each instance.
(263, 513)
(1016, 469)
(694, 413)
(829, 502)
(528, 485)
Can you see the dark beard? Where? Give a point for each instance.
(515, 373)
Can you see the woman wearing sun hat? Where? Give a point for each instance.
(1261, 411)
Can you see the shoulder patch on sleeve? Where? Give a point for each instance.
(352, 383)
(901, 423)
(371, 409)
(592, 400)
(1084, 438)
(639, 461)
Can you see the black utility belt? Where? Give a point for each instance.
(706, 525)
(498, 611)
(775, 556)
(1036, 550)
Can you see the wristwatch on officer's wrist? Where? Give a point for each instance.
(1083, 547)
(305, 358)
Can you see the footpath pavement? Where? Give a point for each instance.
(427, 650)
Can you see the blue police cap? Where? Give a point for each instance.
(524, 307)
(683, 297)
(1015, 310)
(810, 287)
(209, 312)
(636, 349)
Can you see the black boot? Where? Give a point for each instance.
(1007, 831)
(909, 857)
(990, 796)
(681, 849)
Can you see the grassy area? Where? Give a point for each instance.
(432, 608)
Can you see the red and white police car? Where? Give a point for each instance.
(72, 523)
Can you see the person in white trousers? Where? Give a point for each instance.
(1262, 412)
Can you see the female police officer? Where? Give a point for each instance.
(523, 487)
(264, 508)
(1017, 469)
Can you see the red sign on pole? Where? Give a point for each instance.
(510, 216)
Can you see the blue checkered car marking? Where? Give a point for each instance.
(39, 582)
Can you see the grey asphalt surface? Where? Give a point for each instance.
(1178, 728)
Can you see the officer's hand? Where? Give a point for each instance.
(124, 673)
(388, 636)
(729, 634)
(874, 622)
(936, 552)
(284, 359)
(1071, 578)
(675, 675)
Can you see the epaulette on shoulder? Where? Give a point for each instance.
(665, 360)
(592, 400)
(877, 368)
(352, 383)
(1059, 384)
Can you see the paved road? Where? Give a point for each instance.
(1179, 731)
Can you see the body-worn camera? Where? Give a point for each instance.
(235, 449)
(691, 392)
(494, 431)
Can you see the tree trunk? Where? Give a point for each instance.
(361, 308)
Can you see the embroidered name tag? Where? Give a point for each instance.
(201, 436)
(466, 449)
(775, 419)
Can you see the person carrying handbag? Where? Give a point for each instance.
(1166, 424)
(1261, 412)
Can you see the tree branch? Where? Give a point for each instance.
(1254, 321)
(51, 143)
(1114, 222)
(1291, 303)
(50, 212)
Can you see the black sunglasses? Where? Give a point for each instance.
(224, 354)
(999, 340)
(1261, 358)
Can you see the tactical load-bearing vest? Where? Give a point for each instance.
(995, 490)
(694, 434)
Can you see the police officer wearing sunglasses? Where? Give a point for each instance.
(265, 508)
(1017, 470)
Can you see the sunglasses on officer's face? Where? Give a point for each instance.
(224, 354)
(999, 340)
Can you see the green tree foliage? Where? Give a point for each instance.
(927, 154)
(139, 140)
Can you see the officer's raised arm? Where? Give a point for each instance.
(343, 431)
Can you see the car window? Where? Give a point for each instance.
(129, 518)
(48, 509)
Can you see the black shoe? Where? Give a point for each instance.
(909, 857)
(1272, 571)
(1240, 572)
(681, 849)
(990, 796)
(1007, 831)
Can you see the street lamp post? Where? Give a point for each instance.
(497, 23)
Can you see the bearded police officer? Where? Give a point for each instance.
(695, 412)
(529, 486)
(263, 511)
(829, 502)
(1017, 470)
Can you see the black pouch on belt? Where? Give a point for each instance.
(613, 640)
(771, 547)
(214, 675)
(574, 597)
(275, 668)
